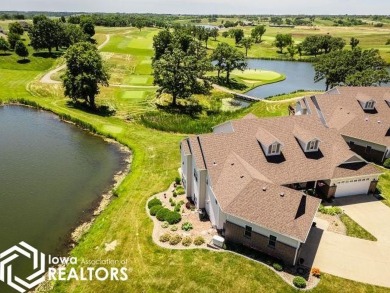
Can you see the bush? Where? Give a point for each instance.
(199, 240)
(165, 237)
(175, 239)
(187, 241)
(174, 194)
(299, 282)
(180, 190)
(177, 180)
(162, 213)
(177, 208)
(277, 266)
(172, 217)
(174, 228)
(330, 210)
(155, 209)
(173, 203)
(316, 272)
(187, 226)
(386, 164)
(154, 202)
(165, 225)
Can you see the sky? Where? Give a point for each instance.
(204, 6)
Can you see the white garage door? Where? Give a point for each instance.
(352, 187)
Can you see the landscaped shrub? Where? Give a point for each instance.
(299, 282)
(187, 226)
(173, 217)
(177, 180)
(174, 228)
(173, 203)
(161, 214)
(154, 202)
(277, 266)
(316, 272)
(180, 190)
(187, 241)
(199, 240)
(175, 239)
(165, 225)
(386, 164)
(177, 208)
(165, 237)
(174, 194)
(155, 209)
(330, 210)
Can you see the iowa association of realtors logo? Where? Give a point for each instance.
(57, 268)
(6, 272)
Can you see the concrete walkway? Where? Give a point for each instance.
(352, 258)
(47, 77)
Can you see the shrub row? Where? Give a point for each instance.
(169, 216)
(154, 202)
(175, 239)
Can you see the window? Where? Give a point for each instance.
(195, 175)
(369, 105)
(248, 232)
(216, 202)
(272, 241)
(312, 145)
(274, 149)
(368, 149)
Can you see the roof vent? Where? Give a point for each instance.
(366, 119)
(282, 194)
(242, 176)
(232, 164)
(214, 163)
(264, 188)
(379, 121)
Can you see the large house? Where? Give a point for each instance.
(360, 114)
(252, 175)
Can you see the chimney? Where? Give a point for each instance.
(302, 206)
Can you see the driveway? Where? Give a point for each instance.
(352, 258)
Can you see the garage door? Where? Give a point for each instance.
(352, 187)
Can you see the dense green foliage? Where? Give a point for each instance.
(283, 40)
(4, 45)
(154, 209)
(332, 210)
(387, 163)
(299, 282)
(258, 32)
(154, 202)
(21, 49)
(84, 73)
(353, 68)
(317, 44)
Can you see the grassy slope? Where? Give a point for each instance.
(355, 230)
(153, 269)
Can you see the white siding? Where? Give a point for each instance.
(186, 167)
(263, 231)
(213, 209)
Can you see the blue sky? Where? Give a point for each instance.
(205, 6)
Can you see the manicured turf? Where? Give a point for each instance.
(156, 159)
(257, 75)
(384, 186)
(355, 230)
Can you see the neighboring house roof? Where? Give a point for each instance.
(341, 110)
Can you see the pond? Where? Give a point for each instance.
(51, 174)
(299, 75)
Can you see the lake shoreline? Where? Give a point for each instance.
(85, 221)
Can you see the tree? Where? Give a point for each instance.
(299, 50)
(214, 33)
(73, 34)
(356, 67)
(258, 32)
(88, 27)
(63, 19)
(291, 51)
(179, 73)
(16, 28)
(85, 72)
(238, 35)
(21, 49)
(43, 34)
(161, 43)
(282, 41)
(13, 39)
(4, 46)
(247, 43)
(354, 42)
(311, 45)
(228, 59)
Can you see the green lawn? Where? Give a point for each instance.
(156, 158)
(384, 186)
(355, 230)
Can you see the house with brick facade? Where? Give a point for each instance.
(252, 177)
(360, 114)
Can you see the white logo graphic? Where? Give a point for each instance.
(6, 274)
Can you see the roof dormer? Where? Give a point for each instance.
(312, 146)
(269, 143)
(366, 102)
(307, 141)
